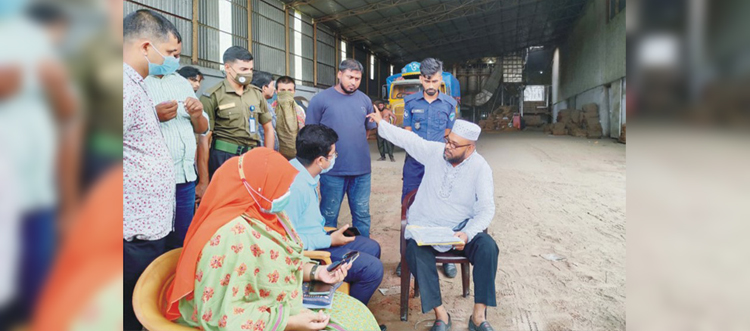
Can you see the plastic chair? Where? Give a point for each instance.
(149, 296)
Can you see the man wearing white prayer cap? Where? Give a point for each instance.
(456, 192)
(464, 134)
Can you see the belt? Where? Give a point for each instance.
(231, 148)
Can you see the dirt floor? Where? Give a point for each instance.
(554, 195)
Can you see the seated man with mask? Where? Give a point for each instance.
(316, 154)
(457, 186)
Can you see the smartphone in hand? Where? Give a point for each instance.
(348, 258)
(349, 232)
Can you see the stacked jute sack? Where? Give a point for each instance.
(490, 124)
(578, 123)
(500, 119)
(622, 134)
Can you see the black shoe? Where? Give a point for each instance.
(382, 158)
(398, 270)
(442, 326)
(392, 159)
(484, 326)
(450, 270)
(383, 327)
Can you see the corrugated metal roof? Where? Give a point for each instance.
(453, 30)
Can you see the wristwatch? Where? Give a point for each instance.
(312, 272)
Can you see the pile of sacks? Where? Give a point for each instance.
(490, 124)
(578, 123)
(622, 134)
(500, 119)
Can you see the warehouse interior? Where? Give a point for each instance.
(557, 65)
(548, 55)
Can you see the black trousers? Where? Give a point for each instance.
(137, 255)
(482, 253)
(215, 159)
(385, 147)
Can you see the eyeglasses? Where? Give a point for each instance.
(335, 154)
(453, 145)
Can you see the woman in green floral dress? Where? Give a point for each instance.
(242, 266)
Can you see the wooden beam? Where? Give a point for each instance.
(249, 25)
(337, 47)
(315, 54)
(286, 37)
(194, 50)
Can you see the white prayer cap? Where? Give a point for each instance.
(466, 129)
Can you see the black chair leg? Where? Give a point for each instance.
(465, 278)
(405, 285)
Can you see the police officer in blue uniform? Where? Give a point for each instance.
(430, 114)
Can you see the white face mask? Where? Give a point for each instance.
(333, 161)
(277, 205)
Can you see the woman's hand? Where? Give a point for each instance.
(338, 275)
(308, 320)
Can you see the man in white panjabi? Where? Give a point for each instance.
(457, 186)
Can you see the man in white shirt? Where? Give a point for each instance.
(457, 186)
(181, 116)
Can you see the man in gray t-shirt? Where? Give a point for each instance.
(344, 109)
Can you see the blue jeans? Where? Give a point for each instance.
(185, 208)
(413, 172)
(357, 189)
(367, 270)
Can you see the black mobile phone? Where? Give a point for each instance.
(320, 288)
(348, 258)
(461, 225)
(349, 232)
(335, 265)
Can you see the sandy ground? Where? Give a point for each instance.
(554, 195)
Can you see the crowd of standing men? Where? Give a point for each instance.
(174, 142)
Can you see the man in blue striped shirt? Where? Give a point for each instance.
(181, 116)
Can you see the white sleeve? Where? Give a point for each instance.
(484, 207)
(418, 148)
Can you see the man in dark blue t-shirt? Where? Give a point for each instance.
(344, 109)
